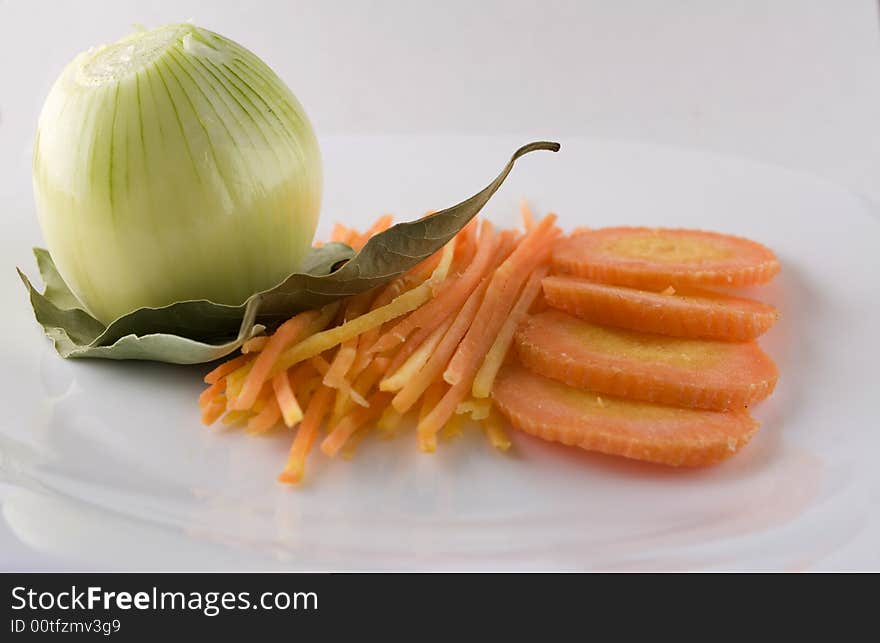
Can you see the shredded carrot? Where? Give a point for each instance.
(212, 392)
(428, 441)
(477, 408)
(495, 431)
(226, 368)
(305, 436)
(254, 344)
(352, 422)
(214, 410)
(398, 379)
(287, 402)
(453, 428)
(265, 419)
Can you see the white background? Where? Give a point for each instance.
(788, 82)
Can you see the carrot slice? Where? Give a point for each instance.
(662, 434)
(495, 357)
(695, 373)
(688, 313)
(660, 257)
(305, 436)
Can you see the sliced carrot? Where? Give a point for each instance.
(305, 436)
(254, 344)
(695, 373)
(494, 429)
(214, 409)
(661, 257)
(500, 296)
(226, 368)
(346, 427)
(289, 332)
(291, 412)
(688, 313)
(451, 298)
(438, 361)
(320, 342)
(484, 378)
(414, 363)
(427, 441)
(212, 392)
(266, 418)
(663, 434)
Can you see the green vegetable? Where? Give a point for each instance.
(174, 165)
(190, 332)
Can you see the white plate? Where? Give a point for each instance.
(109, 467)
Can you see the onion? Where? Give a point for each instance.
(174, 165)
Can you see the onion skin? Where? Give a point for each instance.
(174, 165)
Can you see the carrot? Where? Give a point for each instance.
(320, 342)
(682, 372)
(495, 431)
(528, 217)
(234, 417)
(449, 299)
(495, 357)
(502, 290)
(428, 441)
(661, 257)
(477, 408)
(345, 356)
(214, 409)
(212, 392)
(381, 224)
(340, 233)
(254, 344)
(346, 427)
(662, 434)
(266, 418)
(289, 332)
(432, 370)
(305, 436)
(453, 428)
(414, 363)
(689, 313)
(286, 400)
(226, 368)
(389, 421)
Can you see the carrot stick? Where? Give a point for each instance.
(414, 389)
(339, 233)
(287, 402)
(211, 392)
(287, 333)
(226, 368)
(389, 421)
(505, 284)
(254, 344)
(452, 429)
(265, 419)
(234, 417)
(449, 299)
(494, 429)
(320, 342)
(305, 436)
(347, 352)
(398, 379)
(214, 410)
(495, 357)
(477, 408)
(428, 441)
(352, 422)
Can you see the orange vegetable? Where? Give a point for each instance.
(266, 418)
(346, 427)
(683, 372)
(291, 412)
(660, 257)
(689, 313)
(305, 436)
(226, 368)
(558, 413)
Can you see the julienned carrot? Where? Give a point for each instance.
(428, 441)
(234, 417)
(680, 313)
(414, 363)
(291, 412)
(347, 352)
(352, 422)
(212, 392)
(320, 342)
(389, 421)
(432, 370)
(503, 288)
(485, 376)
(340, 233)
(695, 373)
(449, 299)
(226, 368)
(495, 431)
(452, 429)
(214, 409)
(305, 436)
(660, 257)
(663, 434)
(477, 408)
(265, 419)
(254, 344)
(289, 332)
